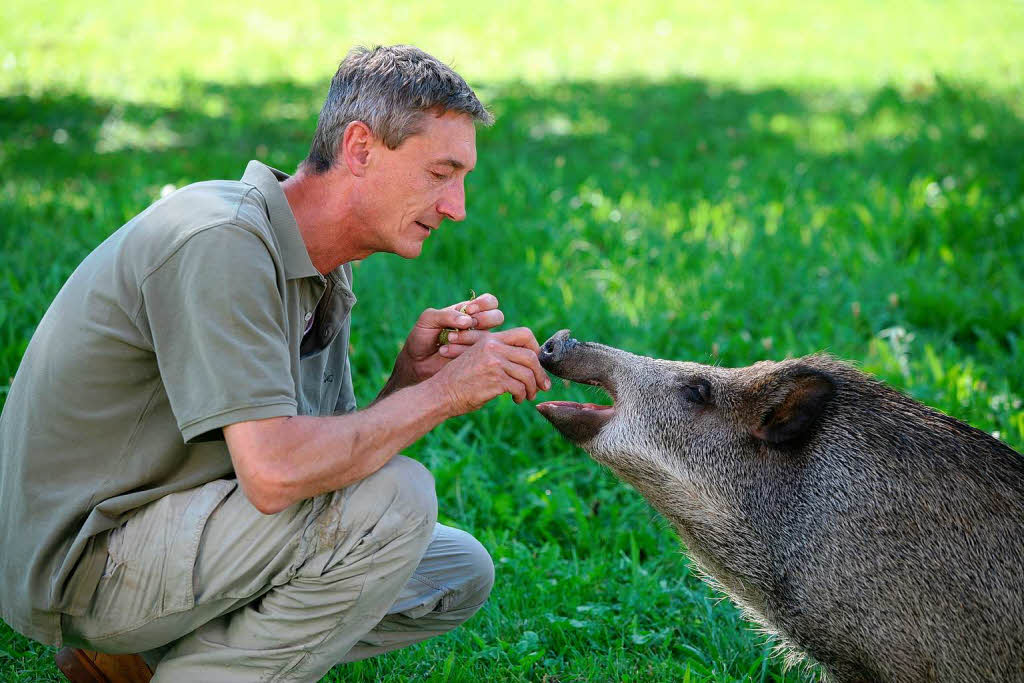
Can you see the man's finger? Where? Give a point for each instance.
(466, 337)
(524, 376)
(439, 319)
(529, 362)
(486, 320)
(484, 302)
(519, 336)
(516, 388)
(452, 351)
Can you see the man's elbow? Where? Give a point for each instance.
(264, 485)
(262, 473)
(265, 499)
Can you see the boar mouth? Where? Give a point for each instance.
(578, 422)
(567, 358)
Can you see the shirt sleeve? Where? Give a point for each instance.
(217, 320)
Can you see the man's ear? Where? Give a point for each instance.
(354, 148)
(794, 403)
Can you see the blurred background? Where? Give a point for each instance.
(720, 182)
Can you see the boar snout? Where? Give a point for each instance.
(565, 357)
(583, 362)
(556, 349)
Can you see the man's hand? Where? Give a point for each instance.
(421, 357)
(496, 363)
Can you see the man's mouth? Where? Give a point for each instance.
(425, 226)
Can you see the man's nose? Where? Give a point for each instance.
(452, 204)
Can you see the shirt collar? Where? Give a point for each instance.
(293, 250)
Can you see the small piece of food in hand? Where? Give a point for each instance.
(442, 338)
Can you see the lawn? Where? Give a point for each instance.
(723, 182)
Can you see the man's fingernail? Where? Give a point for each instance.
(464, 320)
(453, 336)
(547, 384)
(444, 349)
(471, 309)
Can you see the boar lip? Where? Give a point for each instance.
(578, 422)
(576, 406)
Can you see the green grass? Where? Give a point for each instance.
(720, 185)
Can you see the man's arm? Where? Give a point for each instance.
(282, 460)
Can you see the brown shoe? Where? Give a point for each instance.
(86, 666)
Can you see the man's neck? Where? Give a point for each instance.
(323, 210)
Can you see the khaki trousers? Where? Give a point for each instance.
(210, 589)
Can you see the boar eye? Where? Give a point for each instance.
(697, 391)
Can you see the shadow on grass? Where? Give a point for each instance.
(880, 194)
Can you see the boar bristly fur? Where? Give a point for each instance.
(867, 532)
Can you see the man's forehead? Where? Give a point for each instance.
(450, 139)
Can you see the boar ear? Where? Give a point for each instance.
(796, 403)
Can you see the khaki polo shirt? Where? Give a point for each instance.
(202, 311)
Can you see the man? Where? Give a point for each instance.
(182, 469)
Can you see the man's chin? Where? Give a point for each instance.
(410, 251)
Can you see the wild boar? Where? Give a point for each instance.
(869, 533)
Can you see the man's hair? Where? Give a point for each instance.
(390, 89)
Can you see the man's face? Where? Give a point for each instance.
(412, 189)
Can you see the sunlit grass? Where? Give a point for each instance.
(131, 52)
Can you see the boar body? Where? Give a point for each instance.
(867, 532)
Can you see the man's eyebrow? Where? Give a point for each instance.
(454, 163)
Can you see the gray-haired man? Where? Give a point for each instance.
(183, 470)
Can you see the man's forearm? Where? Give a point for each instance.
(401, 377)
(284, 460)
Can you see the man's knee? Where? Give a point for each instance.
(475, 569)
(405, 483)
(483, 570)
(390, 515)
(398, 500)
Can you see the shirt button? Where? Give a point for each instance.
(309, 314)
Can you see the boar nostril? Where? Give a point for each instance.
(553, 350)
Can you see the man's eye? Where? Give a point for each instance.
(439, 176)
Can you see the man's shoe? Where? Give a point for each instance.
(86, 666)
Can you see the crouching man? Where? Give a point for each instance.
(183, 469)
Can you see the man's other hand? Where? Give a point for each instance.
(496, 363)
(422, 356)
